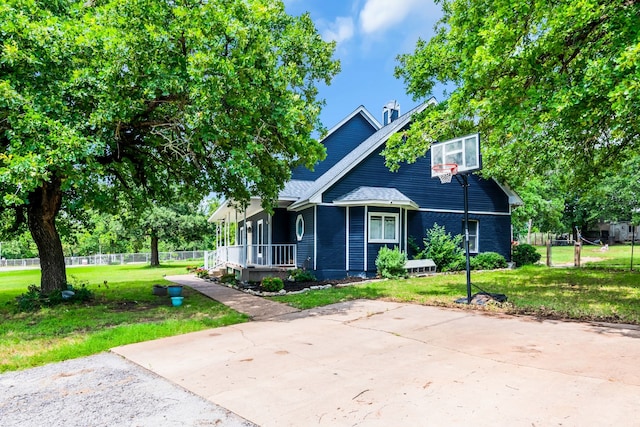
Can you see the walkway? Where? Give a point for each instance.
(257, 308)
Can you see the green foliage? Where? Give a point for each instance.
(301, 275)
(229, 279)
(208, 97)
(30, 300)
(34, 299)
(124, 313)
(487, 261)
(390, 263)
(445, 251)
(272, 284)
(552, 86)
(202, 273)
(525, 254)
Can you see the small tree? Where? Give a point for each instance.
(445, 250)
(390, 263)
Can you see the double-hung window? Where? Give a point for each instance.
(473, 236)
(383, 227)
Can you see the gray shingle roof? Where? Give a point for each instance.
(375, 195)
(294, 189)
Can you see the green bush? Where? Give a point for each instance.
(272, 284)
(34, 299)
(301, 275)
(202, 272)
(488, 261)
(390, 263)
(524, 254)
(445, 251)
(80, 293)
(228, 278)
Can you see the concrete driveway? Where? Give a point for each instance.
(375, 363)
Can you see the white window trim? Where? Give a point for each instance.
(396, 218)
(299, 219)
(477, 236)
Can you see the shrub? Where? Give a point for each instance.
(81, 293)
(202, 272)
(34, 299)
(390, 263)
(228, 278)
(488, 261)
(30, 300)
(445, 251)
(524, 254)
(272, 284)
(301, 275)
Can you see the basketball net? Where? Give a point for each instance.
(445, 172)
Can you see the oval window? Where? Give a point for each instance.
(299, 227)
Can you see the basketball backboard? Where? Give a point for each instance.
(463, 151)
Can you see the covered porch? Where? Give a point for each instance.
(245, 246)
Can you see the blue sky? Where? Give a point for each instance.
(369, 35)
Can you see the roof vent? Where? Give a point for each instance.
(390, 112)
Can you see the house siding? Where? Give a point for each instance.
(414, 180)
(305, 256)
(494, 231)
(338, 145)
(331, 260)
(356, 241)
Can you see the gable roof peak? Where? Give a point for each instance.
(363, 112)
(314, 193)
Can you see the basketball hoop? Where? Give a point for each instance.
(445, 172)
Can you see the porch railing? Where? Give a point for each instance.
(275, 255)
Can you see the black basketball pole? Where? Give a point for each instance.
(465, 184)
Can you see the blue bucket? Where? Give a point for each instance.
(174, 291)
(176, 301)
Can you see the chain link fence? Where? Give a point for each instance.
(109, 259)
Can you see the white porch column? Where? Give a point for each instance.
(244, 240)
(269, 241)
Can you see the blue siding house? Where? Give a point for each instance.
(334, 220)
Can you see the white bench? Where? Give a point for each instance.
(420, 266)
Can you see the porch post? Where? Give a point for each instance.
(244, 240)
(236, 233)
(269, 241)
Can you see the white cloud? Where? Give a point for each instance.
(379, 15)
(340, 30)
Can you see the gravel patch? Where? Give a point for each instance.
(103, 390)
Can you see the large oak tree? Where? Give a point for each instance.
(137, 95)
(552, 86)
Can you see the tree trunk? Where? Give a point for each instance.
(155, 258)
(44, 205)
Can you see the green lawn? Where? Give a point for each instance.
(124, 311)
(617, 256)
